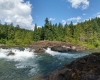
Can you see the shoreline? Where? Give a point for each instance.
(54, 45)
(57, 46)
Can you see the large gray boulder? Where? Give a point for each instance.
(62, 48)
(85, 68)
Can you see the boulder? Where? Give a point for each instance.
(59, 49)
(39, 50)
(62, 48)
(10, 53)
(85, 68)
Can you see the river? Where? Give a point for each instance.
(26, 64)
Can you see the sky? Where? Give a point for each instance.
(28, 12)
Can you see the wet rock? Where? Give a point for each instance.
(85, 68)
(59, 49)
(39, 50)
(10, 53)
(62, 48)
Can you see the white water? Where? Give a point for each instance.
(24, 58)
(36, 63)
(27, 54)
(66, 54)
(19, 55)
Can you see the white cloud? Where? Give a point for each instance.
(51, 19)
(98, 15)
(75, 19)
(16, 11)
(79, 3)
(90, 18)
(64, 22)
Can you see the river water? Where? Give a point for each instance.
(26, 64)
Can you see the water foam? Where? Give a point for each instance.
(19, 55)
(49, 51)
(28, 60)
(64, 55)
(24, 59)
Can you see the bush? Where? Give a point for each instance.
(96, 44)
(3, 41)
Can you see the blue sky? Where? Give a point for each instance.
(26, 13)
(63, 10)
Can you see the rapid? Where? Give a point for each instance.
(25, 64)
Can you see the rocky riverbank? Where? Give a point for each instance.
(85, 68)
(56, 46)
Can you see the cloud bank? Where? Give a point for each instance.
(79, 3)
(51, 19)
(16, 11)
(74, 18)
(98, 15)
(64, 22)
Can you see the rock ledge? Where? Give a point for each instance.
(85, 68)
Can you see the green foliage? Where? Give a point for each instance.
(85, 33)
(36, 33)
(2, 41)
(11, 35)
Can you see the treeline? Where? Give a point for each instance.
(85, 33)
(11, 35)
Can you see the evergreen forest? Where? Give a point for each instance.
(85, 33)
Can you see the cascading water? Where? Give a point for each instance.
(25, 64)
(19, 54)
